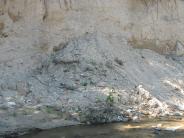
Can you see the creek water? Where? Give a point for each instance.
(147, 129)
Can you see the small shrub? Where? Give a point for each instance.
(110, 99)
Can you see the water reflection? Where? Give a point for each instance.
(125, 130)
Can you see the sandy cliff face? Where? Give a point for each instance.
(64, 62)
(142, 22)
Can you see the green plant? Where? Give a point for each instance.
(110, 99)
(98, 100)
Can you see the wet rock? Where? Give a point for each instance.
(157, 129)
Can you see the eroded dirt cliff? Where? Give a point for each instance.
(65, 62)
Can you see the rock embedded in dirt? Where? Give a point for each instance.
(179, 48)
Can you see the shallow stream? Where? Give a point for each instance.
(155, 129)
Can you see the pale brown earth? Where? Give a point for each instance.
(66, 62)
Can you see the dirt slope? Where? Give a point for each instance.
(89, 61)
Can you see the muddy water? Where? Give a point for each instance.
(161, 129)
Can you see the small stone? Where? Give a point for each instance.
(178, 114)
(129, 110)
(119, 118)
(88, 123)
(125, 119)
(36, 112)
(11, 104)
(157, 129)
(135, 119)
(119, 61)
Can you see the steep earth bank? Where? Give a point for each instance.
(68, 62)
